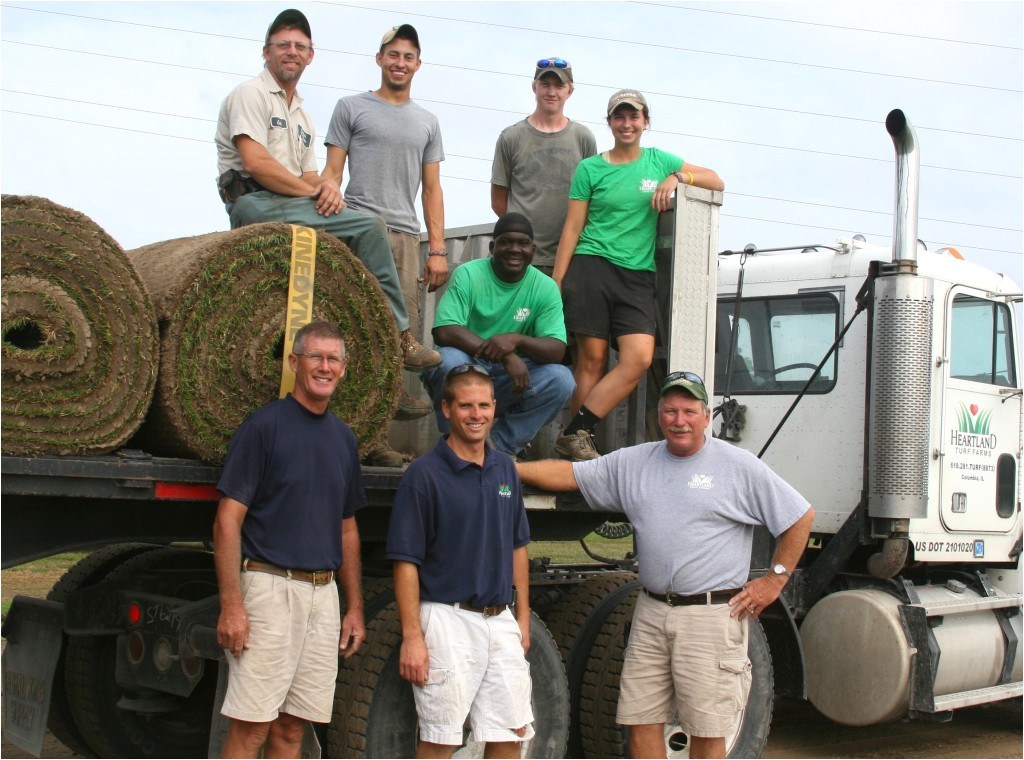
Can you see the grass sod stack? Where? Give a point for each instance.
(221, 300)
(80, 340)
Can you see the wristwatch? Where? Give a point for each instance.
(780, 570)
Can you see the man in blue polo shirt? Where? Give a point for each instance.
(458, 539)
(285, 532)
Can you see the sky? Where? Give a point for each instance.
(111, 108)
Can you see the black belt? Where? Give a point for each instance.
(684, 600)
(490, 611)
(316, 577)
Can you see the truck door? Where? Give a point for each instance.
(981, 420)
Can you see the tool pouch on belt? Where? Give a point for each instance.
(232, 185)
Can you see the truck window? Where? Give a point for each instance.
(982, 346)
(779, 343)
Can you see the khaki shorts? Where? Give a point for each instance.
(477, 669)
(292, 660)
(687, 660)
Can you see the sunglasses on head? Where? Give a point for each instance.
(464, 368)
(691, 376)
(552, 63)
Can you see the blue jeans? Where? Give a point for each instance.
(366, 234)
(517, 418)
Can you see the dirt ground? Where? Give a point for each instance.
(798, 730)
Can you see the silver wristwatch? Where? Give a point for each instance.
(780, 570)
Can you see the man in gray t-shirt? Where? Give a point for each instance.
(392, 146)
(534, 160)
(694, 502)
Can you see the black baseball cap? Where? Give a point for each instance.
(289, 19)
(402, 32)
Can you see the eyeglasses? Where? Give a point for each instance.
(317, 359)
(284, 47)
(692, 377)
(464, 368)
(553, 63)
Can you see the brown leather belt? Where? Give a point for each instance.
(491, 611)
(684, 600)
(316, 577)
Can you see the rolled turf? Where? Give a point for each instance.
(80, 340)
(221, 302)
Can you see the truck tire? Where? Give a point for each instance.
(375, 715)
(601, 737)
(93, 692)
(89, 570)
(574, 624)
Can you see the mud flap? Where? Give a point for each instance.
(34, 633)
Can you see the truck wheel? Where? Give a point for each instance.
(375, 715)
(182, 726)
(89, 570)
(574, 623)
(601, 737)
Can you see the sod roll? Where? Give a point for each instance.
(221, 304)
(80, 341)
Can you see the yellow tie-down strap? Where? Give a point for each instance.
(299, 311)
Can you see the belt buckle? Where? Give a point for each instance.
(315, 577)
(491, 611)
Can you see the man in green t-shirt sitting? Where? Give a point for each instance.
(502, 314)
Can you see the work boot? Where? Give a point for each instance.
(417, 358)
(576, 447)
(410, 408)
(383, 456)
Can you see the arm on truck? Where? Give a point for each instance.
(548, 474)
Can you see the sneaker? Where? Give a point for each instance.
(410, 408)
(577, 447)
(417, 358)
(383, 456)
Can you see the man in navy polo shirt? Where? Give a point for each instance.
(458, 539)
(285, 532)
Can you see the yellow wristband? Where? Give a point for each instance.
(688, 174)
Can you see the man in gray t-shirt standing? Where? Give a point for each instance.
(393, 145)
(694, 502)
(534, 160)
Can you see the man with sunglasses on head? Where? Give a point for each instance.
(392, 146)
(267, 168)
(458, 538)
(285, 537)
(505, 315)
(534, 160)
(694, 502)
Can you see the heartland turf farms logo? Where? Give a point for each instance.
(505, 491)
(701, 482)
(973, 425)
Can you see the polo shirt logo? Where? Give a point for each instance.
(522, 314)
(702, 482)
(276, 122)
(648, 185)
(304, 136)
(505, 491)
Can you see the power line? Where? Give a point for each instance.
(207, 141)
(523, 76)
(563, 33)
(829, 26)
(749, 143)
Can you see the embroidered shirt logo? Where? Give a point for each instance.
(703, 482)
(276, 122)
(522, 314)
(648, 185)
(505, 491)
(304, 136)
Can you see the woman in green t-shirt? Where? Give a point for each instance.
(605, 264)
